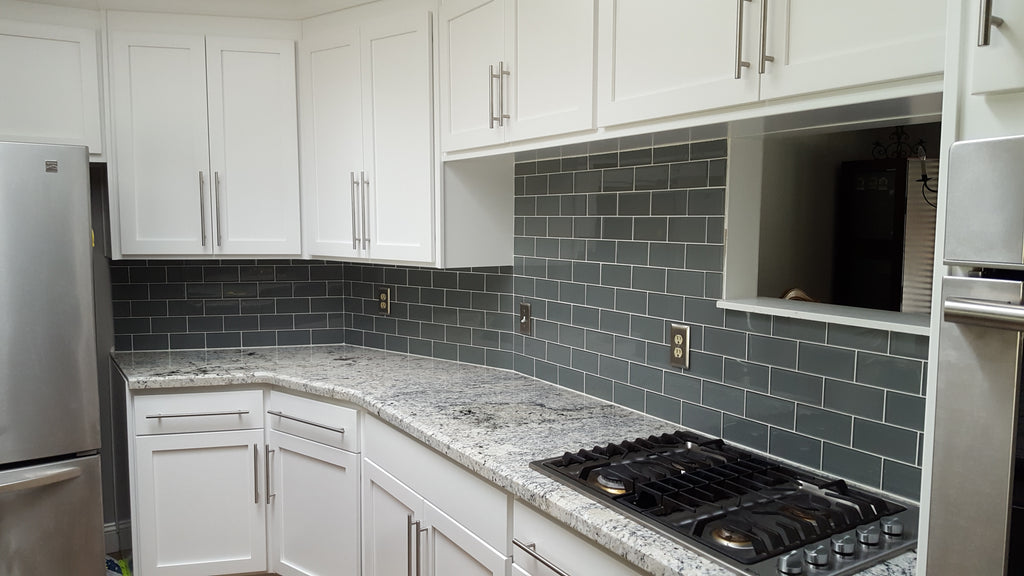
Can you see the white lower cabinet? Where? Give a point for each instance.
(404, 534)
(312, 514)
(199, 506)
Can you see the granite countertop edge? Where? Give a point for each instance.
(380, 384)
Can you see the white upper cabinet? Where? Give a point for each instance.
(51, 90)
(368, 139)
(665, 57)
(207, 152)
(817, 45)
(515, 69)
(998, 58)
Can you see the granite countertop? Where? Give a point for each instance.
(493, 422)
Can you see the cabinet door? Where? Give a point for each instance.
(398, 138)
(553, 67)
(666, 57)
(253, 146)
(472, 46)
(313, 508)
(389, 532)
(200, 504)
(51, 85)
(999, 67)
(451, 549)
(826, 44)
(162, 158)
(332, 151)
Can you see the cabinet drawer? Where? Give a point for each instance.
(559, 546)
(198, 412)
(321, 422)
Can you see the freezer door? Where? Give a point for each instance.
(48, 395)
(51, 519)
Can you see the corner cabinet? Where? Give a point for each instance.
(368, 140)
(206, 144)
(515, 69)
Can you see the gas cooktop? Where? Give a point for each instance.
(751, 514)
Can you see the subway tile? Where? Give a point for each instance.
(209, 323)
(823, 424)
(132, 326)
(561, 227)
(635, 204)
(768, 350)
(709, 149)
(261, 306)
(667, 255)
(150, 341)
(223, 339)
(664, 407)
(717, 172)
(637, 141)
(574, 163)
(617, 180)
(799, 329)
(857, 337)
(652, 177)
(572, 249)
(707, 366)
(805, 388)
(614, 368)
(904, 410)
(446, 351)
(585, 361)
(706, 202)
(633, 301)
(598, 387)
(532, 347)
(586, 317)
(615, 323)
(716, 229)
(574, 205)
(328, 272)
(603, 204)
(884, 440)
(665, 306)
(638, 157)
(600, 297)
(600, 250)
(560, 269)
(901, 479)
(524, 246)
(721, 397)
(669, 202)
(674, 153)
(149, 308)
(770, 410)
(683, 387)
(827, 361)
(546, 289)
(794, 447)
(688, 175)
(309, 289)
(679, 135)
(704, 311)
(570, 379)
(702, 419)
(284, 306)
(474, 355)
(187, 341)
(687, 229)
(524, 168)
(166, 291)
(586, 227)
(685, 282)
(745, 432)
(291, 274)
(708, 257)
(606, 160)
(629, 396)
(713, 285)
(616, 275)
(909, 345)
(890, 372)
(536, 226)
(131, 292)
(650, 229)
(572, 292)
(645, 377)
(647, 328)
(188, 274)
(585, 182)
(293, 338)
(548, 166)
(618, 228)
(536, 185)
(853, 464)
(496, 358)
(166, 324)
(746, 375)
(725, 342)
(240, 323)
(650, 279)
(630, 349)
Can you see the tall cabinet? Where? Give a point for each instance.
(206, 144)
(367, 125)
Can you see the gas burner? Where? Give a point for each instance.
(614, 486)
(800, 513)
(731, 538)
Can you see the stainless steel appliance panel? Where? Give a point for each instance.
(975, 416)
(51, 521)
(48, 393)
(984, 207)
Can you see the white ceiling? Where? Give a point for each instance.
(283, 9)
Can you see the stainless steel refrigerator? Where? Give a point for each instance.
(50, 493)
(976, 524)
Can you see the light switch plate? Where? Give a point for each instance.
(679, 346)
(525, 319)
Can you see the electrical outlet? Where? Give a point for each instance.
(525, 319)
(679, 346)
(384, 300)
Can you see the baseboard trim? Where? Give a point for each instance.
(117, 536)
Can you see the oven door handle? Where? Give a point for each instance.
(531, 549)
(988, 313)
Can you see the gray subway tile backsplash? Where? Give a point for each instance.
(613, 241)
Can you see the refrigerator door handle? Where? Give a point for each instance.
(38, 480)
(989, 313)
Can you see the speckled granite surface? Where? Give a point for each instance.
(491, 421)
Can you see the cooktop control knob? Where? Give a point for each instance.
(892, 527)
(791, 564)
(868, 535)
(816, 555)
(844, 544)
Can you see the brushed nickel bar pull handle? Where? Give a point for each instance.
(256, 473)
(502, 73)
(985, 23)
(216, 190)
(740, 62)
(266, 472)
(280, 414)
(419, 530)
(983, 313)
(197, 414)
(366, 210)
(531, 549)
(490, 94)
(202, 206)
(764, 38)
(39, 480)
(354, 189)
(408, 545)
